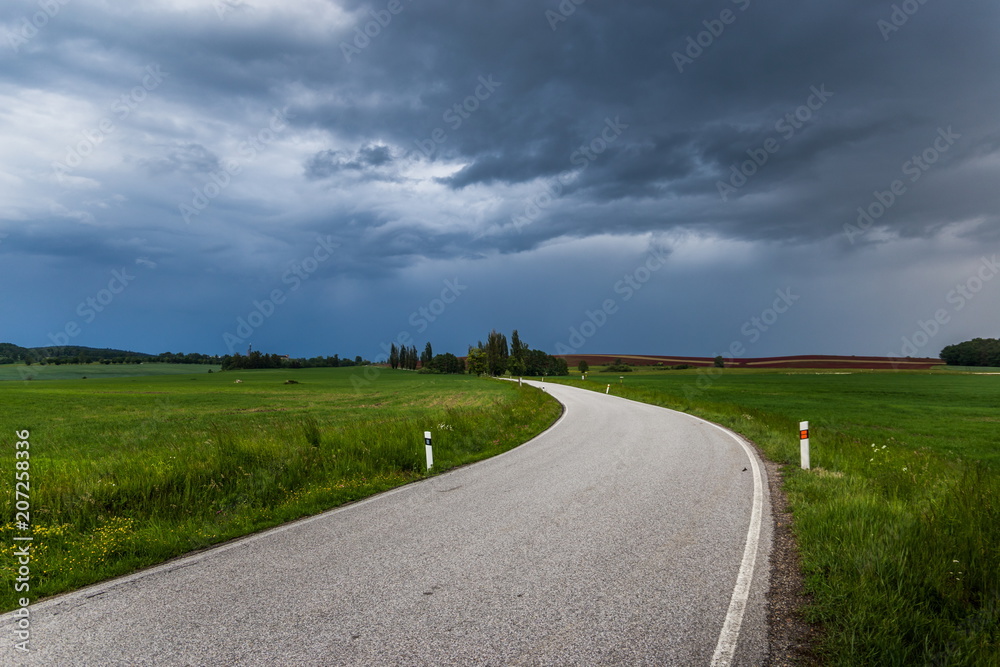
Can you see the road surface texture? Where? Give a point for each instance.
(625, 535)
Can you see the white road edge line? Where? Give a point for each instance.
(725, 649)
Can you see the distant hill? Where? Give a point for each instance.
(806, 361)
(10, 353)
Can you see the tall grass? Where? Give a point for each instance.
(900, 545)
(156, 489)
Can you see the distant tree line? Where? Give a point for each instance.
(180, 358)
(84, 359)
(976, 352)
(131, 358)
(76, 354)
(495, 357)
(257, 359)
(68, 354)
(407, 358)
(71, 354)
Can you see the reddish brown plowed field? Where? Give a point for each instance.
(814, 361)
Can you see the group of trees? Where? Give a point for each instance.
(181, 358)
(83, 359)
(74, 354)
(496, 357)
(330, 362)
(69, 354)
(446, 363)
(618, 367)
(10, 353)
(405, 357)
(77, 354)
(976, 352)
(256, 359)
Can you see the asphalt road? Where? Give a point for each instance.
(619, 536)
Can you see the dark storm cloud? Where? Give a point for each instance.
(687, 129)
(754, 82)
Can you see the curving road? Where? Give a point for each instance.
(626, 534)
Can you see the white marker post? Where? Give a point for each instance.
(520, 381)
(804, 444)
(608, 390)
(428, 449)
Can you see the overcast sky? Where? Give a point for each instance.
(328, 176)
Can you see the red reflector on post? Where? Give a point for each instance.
(804, 435)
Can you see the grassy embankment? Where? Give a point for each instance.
(131, 471)
(898, 522)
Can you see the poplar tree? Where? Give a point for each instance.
(518, 350)
(496, 353)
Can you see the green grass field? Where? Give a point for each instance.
(126, 472)
(898, 522)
